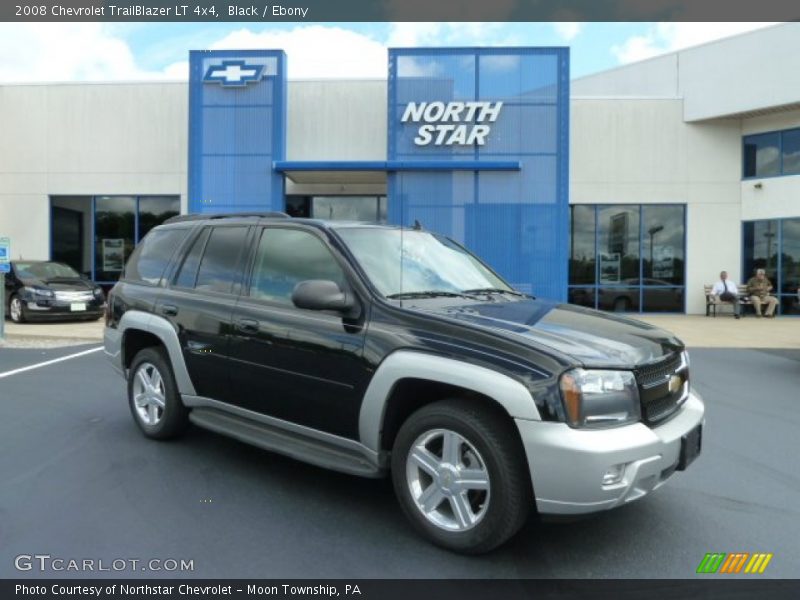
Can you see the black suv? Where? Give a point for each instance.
(374, 349)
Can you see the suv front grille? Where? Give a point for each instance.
(663, 387)
(70, 296)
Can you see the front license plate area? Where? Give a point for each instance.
(77, 306)
(691, 444)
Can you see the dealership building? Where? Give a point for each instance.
(624, 190)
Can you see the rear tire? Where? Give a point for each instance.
(153, 396)
(461, 476)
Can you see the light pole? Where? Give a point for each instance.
(653, 231)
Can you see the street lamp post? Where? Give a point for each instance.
(653, 231)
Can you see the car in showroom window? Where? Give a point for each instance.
(385, 351)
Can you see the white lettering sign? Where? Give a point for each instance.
(452, 123)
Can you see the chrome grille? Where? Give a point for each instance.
(77, 296)
(659, 400)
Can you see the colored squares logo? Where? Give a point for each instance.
(736, 562)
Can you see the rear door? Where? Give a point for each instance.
(200, 303)
(304, 366)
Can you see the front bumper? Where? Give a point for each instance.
(36, 308)
(567, 465)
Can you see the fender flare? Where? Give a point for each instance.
(164, 331)
(407, 364)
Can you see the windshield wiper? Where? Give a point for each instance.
(491, 290)
(427, 294)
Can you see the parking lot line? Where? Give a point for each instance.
(49, 362)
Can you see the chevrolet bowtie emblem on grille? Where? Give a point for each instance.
(675, 383)
(233, 73)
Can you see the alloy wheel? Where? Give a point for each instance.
(15, 309)
(149, 393)
(448, 480)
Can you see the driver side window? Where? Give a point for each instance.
(284, 258)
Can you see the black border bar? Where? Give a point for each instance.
(386, 589)
(264, 11)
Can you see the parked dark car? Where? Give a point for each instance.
(376, 350)
(39, 290)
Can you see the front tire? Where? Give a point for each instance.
(461, 476)
(153, 396)
(16, 310)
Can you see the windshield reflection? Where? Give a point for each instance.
(417, 262)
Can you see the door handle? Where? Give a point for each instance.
(247, 325)
(169, 310)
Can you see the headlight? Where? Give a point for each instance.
(596, 399)
(98, 292)
(39, 291)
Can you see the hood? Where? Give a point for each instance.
(594, 338)
(61, 284)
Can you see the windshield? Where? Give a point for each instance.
(44, 270)
(428, 263)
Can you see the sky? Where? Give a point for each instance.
(44, 52)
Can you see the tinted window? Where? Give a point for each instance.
(791, 152)
(151, 257)
(218, 267)
(762, 156)
(286, 257)
(188, 273)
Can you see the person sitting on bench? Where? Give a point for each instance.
(727, 291)
(758, 288)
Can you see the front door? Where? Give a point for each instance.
(298, 365)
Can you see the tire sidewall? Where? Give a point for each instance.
(461, 541)
(21, 318)
(174, 411)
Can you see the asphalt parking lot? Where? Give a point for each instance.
(78, 481)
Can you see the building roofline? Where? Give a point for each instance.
(681, 50)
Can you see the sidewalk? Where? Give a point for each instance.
(695, 330)
(698, 331)
(51, 335)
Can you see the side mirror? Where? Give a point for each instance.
(322, 294)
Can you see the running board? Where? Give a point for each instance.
(295, 445)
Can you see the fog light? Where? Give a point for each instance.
(614, 474)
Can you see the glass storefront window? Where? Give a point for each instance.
(114, 235)
(582, 246)
(662, 244)
(96, 235)
(618, 244)
(154, 210)
(633, 254)
(790, 257)
(760, 249)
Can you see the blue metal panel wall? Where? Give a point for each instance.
(237, 129)
(516, 221)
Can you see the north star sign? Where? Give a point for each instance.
(452, 123)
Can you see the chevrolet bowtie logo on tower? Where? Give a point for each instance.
(234, 73)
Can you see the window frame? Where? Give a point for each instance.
(236, 286)
(781, 171)
(247, 278)
(167, 273)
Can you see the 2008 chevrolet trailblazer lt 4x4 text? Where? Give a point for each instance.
(372, 349)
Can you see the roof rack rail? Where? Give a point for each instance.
(204, 217)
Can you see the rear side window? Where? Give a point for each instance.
(188, 272)
(151, 257)
(219, 265)
(286, 257)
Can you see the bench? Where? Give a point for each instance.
(713, 302)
